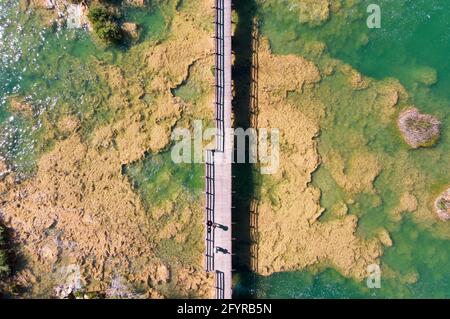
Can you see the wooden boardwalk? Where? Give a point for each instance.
(218, 164)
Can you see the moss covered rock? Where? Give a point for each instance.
(442, 205)
(417, 129)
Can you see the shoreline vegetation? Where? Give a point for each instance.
(108, 25)
(105, 24)
(103, 17)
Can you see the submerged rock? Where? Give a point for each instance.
(3, 169)
(425, 75)
(417, 129)
(44, 4)
(18, 105)
(442, 205)
(68, 124)
(136, 3)
(314, 12)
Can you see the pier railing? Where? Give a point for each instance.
(219, 260)
(210, 191)
(254, 110)
(219, 26)
(220, 285)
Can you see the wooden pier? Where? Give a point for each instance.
(218, 161)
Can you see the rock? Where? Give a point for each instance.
(385, 238)
(18, 105)
(328, 70)
(163, 274)
(23, 5)
(425, 75)
(136, 3)
(68, 124)
(4, 169)
(49, 252)
(70, 280)
(418, 130)
(131, 30)
(44, 4)
(442, 206)
(314, 12)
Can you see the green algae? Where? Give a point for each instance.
(160, 182)
(172, 189)
(189, 92)
(152, 21)
(158, 179)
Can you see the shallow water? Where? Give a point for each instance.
(158, 178)
(414, 35)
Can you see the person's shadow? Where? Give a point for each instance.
(222, 250)
(222, 227)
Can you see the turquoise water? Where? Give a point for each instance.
(411, 46)
(415, 250)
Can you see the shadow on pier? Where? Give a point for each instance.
(245, 185)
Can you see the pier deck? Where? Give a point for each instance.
(218, 166)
